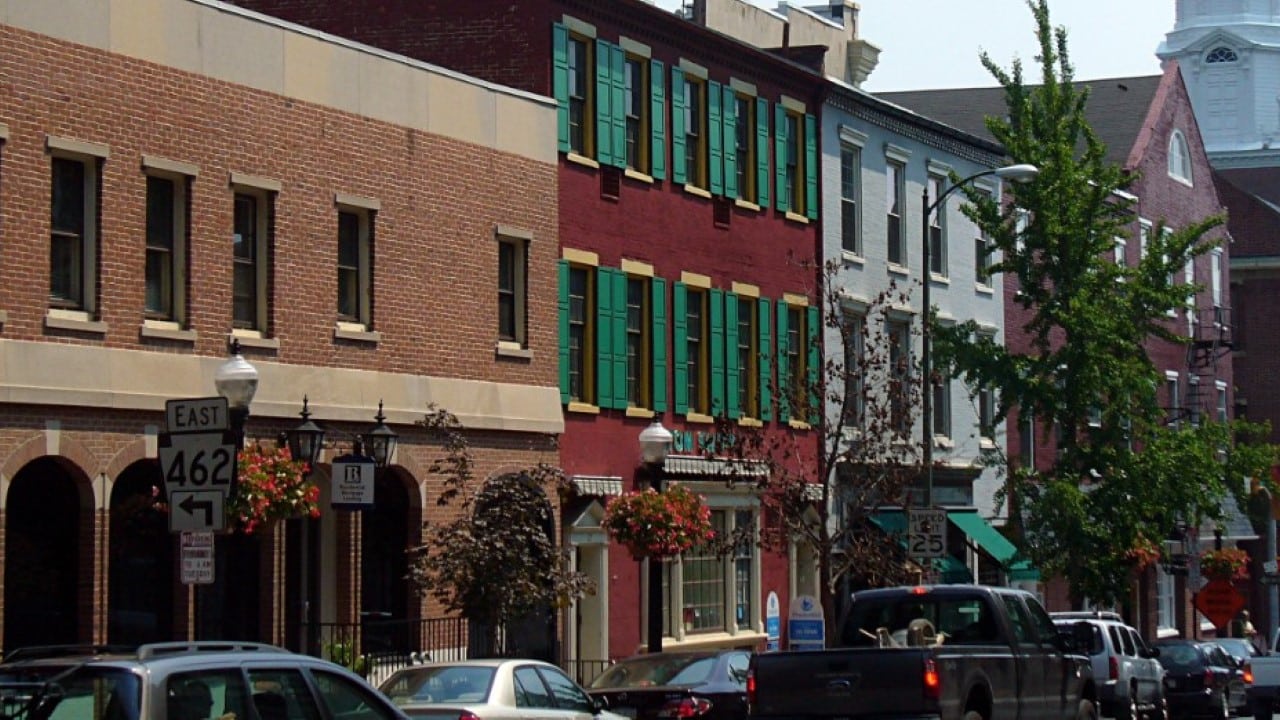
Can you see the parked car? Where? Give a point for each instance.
(1201, 680)
(494, 689)
(1238, 648)
(709, 685)
(1129, 678)
(177, 681)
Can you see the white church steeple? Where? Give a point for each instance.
(1229, 53)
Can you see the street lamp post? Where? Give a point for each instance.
(655, 443)
(1015, 173)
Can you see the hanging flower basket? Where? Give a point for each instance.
(272, 486)
(1143, 554)
(1225, 564)
(654, 524)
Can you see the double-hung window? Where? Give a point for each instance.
(637, 112)
(251, 245)
(895, 191)
(854, 370)
(899, 337)
(697, 350)
(941, 404)
(694, 130)
(513, 273)
(937, 231)
(744, 146)
(639, 342)
(1174, 395)
(581, 103)
(578, 333)
(850, 196)
(982, 248)
(795, 159)
(165, 266)
(798, 359)
(73, 230)
(743, 323)
(355, 262)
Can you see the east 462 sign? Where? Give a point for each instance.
(197, 461)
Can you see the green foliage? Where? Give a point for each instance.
(345, 655)
(497, 560)
(1121, 477)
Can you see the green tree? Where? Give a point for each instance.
(496, 560)
(1121, 474)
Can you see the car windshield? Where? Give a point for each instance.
(1237, 647)
(1180, 657)
(440, 684)
(659, 670)
(89, 693)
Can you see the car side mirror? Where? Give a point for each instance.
(1151, 652)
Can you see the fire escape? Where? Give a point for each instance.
(1211, 340)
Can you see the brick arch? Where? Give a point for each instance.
(128, 455)
(411, 472)
(71, 452)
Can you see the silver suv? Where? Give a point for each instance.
(1130, 680)
(185, 681)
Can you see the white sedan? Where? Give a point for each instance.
(493, 689)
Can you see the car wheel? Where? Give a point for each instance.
(1224, 712)
(1129, 710)
(1088, 710)
(972, 715)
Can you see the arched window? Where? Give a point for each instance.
(1179, 157)
(1221, 55)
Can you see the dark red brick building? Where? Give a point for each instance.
(688, 234)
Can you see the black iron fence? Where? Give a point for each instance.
(377, 647)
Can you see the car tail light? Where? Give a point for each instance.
(688, 707)
(1248, 674)
(1113, 667)
(932, 682)
(751, 687)
(1208, 678)
(468, 715)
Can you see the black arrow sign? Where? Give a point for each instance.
(190, 505)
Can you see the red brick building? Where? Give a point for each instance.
(688, 205)
(1150, 130)
(370, 229)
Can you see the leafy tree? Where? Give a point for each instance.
(496, 561)
(1121, 475)
(861, 406)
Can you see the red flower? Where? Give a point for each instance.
(272, 486)
(656, 524)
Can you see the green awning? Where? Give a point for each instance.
(894, 522)
(997, 545)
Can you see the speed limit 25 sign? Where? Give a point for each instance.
(927, 532)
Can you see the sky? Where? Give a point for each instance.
(936, 43)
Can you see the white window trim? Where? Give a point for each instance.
(939, 171)
(858, 250)
(1180, 149)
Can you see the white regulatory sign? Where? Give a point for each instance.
(197, 558)
(196, 415)
(927, 533)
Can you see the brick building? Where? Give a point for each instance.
(371, 230)
(1149, 129)
(688, 236)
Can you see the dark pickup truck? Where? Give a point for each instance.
(953, 652)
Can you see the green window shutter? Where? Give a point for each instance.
(811, 167)
(784, 367)
(619, 336)
(780, 140)
(716, 170)
(658, 120)
(560, 81)
(562, 267)
(765, 352)
(729, 113)
(731, 354)
(762, 152)
(717, 352)
(618, 103)
(812, 328)
(680, 347)
(677, 126)
(604, 338)
(659, 345)
(604, 94)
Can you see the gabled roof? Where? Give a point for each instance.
(1116, 110)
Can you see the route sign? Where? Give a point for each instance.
(926, 533)
(197, 558)
(1219, 601)
(196, 415)
(197, 510)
